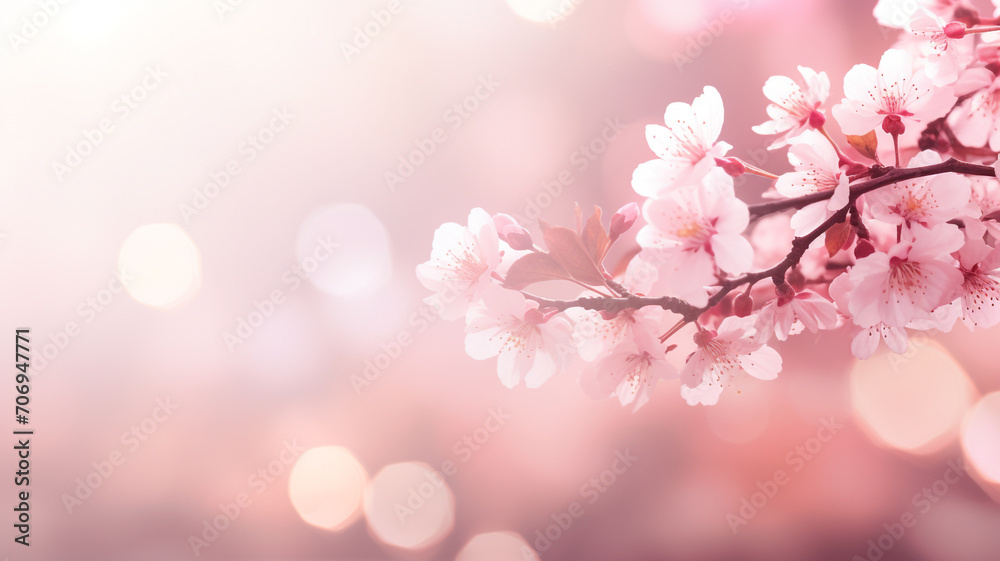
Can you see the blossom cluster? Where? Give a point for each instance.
(894, 229)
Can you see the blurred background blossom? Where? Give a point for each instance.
(211, 214)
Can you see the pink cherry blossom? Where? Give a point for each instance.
(976, 121)
(986, 197)
(942, 319)
(807, 308)
(597, 332)
(793, 109)
(642, 272)
(528, 344)
(462, 262)
(944, 57)
(916, 275)
(894, 95)
(630, 371)
(686, 146)
(817, 168)
(925, 200)
(980, 291)
(724, 356)
(694, 230)
(927, 252)
(865, 340)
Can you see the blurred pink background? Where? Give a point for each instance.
(231, 157)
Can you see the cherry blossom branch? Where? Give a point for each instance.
(615, 305)
(690, 313)
(882, 176)
(777, 272)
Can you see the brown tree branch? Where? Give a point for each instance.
(894, 175)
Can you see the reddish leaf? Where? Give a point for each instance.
(566, 247)
(595, 238)
(866, 145)
(839, 237)
(532, 268)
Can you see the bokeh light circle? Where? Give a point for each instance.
(497, 546)
(343, 250)
(675, 16)
(160, 265)
(912, 402)
(409, 505)
(327, 486)
(981, 435)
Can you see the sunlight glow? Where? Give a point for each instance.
(160, 265)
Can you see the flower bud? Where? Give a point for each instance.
(863, 249)
(743, 305)
(623, 220)
(511, 232)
